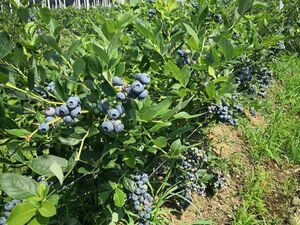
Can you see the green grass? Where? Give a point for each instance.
(280, 139)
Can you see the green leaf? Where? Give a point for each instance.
(79, 67)
(176, 149)
(161, 142)
(144, 28)
(119, 197)
(128, 184)
(193, 33)
(226, 48)
(42, 164)
(51, 42)
(18, 186)
(244, 6)
(21, 214)
(185, 115)
(23, 14)
(18, 132)
(47, 209)
(100, 52)
(39, 220)
(69, 141)
(56, 169)
(158, 126)
(4, 75)
(5, 44)
(210, 89)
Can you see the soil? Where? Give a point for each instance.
(220, 208)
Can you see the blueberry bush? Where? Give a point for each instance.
(109, 105)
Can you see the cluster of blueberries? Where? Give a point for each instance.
(224, 112)
(264, 78)
(136, 90)
(151, 12)
(195, 5)
(193, 160)
(141, 199)
(40, 91)
(68, 112)
(50, 87)
(184, 58)
(112, 124)
(8, 208)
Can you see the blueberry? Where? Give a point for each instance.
(68, 120)
(137, 87)
(6, 214)
(2, 221)
(43, 128)
(121, 96)
(50, 111)
(49, 119)
(136, 202)
(104, 106)
(137, 177)
(147, 216)
(138, 191)
(137, 207)
(119, 127)
(57, 111)
(107, 126)
(145, 180)
(113, 113)
(134, 197)
(63, 110)
(147, 208)
(121, 109)
(117, 81)
(143, 78)
(75, 112)
(72, 103)
(9, 206)
(143, 95)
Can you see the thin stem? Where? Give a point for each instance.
(77, 157)
(10, 85)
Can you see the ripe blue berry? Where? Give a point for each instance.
(121, 96)
(43, 128)
(75, 112)
(6, 214)
(119, 127)
(68, 120)
(143, 95)
(50, 111)
(107, 126)
(2, 221)
(113, 114)
(72, 103)
(117, 81)
(121, 109)
(57, 111)
(63, 110)
(49, 119)
(9, 206)
(143, 78)
(104, 106)
(137, 87)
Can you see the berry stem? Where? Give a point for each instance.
(10, 85)
(77, 157)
